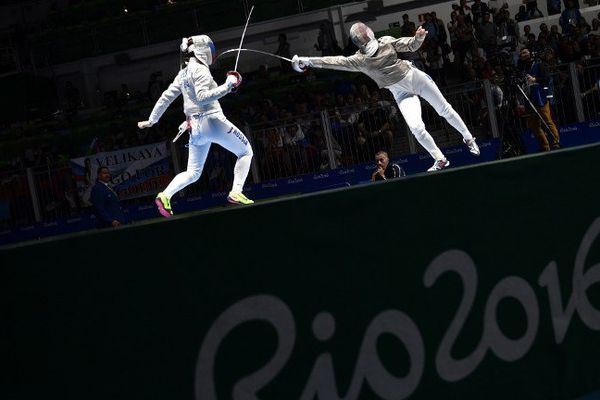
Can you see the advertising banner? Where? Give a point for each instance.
(570, 136)
(136, 171)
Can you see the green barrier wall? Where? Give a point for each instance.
(474, 283)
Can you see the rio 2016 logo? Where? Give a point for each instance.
(321, 382)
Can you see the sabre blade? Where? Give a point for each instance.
(256, 51)
(242, 39)
(183, 128)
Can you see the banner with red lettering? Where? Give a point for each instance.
(136, 171)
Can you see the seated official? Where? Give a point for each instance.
(105, 202)
(385, 170)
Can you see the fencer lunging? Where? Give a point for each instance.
(379, 60)
(205, 119)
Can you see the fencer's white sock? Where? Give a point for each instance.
(240, 172)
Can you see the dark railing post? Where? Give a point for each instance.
(35, 200)
(576, 92)
(489, 98)
(327, 133)
(254, 165)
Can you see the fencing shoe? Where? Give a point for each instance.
(238, 198)
(164, 205)
(472, 145)
(439, 165)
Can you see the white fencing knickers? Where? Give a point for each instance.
(205, 130)
(417, 83)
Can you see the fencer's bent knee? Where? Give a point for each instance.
(446, 110)
(194, 174)
(418, 131)
(247, 152)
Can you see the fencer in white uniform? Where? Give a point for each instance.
(205, 119)
(379, 60)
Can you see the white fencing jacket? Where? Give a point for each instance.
(200, 92)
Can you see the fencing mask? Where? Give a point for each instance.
(201, 46)
(364, 38)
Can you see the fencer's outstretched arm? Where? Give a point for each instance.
(406, 44)
(355, 62)
(403, 44)
(165, 100)
(339, 63)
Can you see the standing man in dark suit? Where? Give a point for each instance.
(107, 210)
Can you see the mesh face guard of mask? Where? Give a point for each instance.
(363, 37)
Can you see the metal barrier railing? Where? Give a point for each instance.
(359, 131)
(289, 147)
(352, 134)
(564, 106)
(16, 207)
(589, 79)
(57, 194)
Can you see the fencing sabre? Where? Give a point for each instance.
(185, 125)
(237, 58)
(242, 39)
(256, 51)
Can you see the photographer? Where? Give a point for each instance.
(537, 78)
